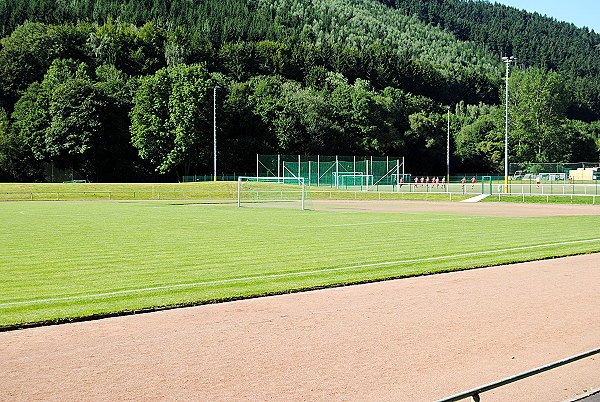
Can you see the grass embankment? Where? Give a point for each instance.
(222, 191)
(116, 191)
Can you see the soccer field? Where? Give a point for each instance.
(63, 260)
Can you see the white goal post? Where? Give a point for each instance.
(345, 179)
(274, 189)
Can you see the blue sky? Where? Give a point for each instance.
(579, 12)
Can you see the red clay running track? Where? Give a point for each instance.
(415, 339)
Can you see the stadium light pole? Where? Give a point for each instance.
(507, 61)
(448, 150)
(215, 131)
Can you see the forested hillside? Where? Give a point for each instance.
(536, 40)
(122, 90)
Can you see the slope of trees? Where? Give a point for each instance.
(534, 39)
(129, 94)
(354, 24)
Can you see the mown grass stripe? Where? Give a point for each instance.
(314, 271)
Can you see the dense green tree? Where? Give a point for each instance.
(479, 145)
(33, 114)
(8, 152)
(170, 118)
(240, 131)
(538, 108)
(17, 162)
(74, 135)
(427, 136)
(29, 51)
(581, 141)
(74, 122)
(116, 157)
(238, 59)
(183, 46)
(131, 49)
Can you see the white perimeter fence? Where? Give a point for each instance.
(545, 192)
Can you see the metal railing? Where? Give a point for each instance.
(450, 192)
(115, 195)
(475, 392)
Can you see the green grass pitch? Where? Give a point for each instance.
(63, 260)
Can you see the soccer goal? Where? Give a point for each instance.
(549, 177)
(271, 191)
(352, 179)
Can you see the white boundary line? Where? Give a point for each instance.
(376, 264)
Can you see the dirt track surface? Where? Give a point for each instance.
(416, 339)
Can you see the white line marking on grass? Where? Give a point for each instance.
(33, 213)
(376, 264)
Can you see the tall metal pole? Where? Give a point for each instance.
(448, 149)
(215, 131)
(507, 61)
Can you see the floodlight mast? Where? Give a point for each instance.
(448, 149)
(507, 61)
(215, 131)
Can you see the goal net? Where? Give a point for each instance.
(285, 192)
(352, 179)
(546, 177)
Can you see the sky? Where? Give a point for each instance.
(579, 12)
